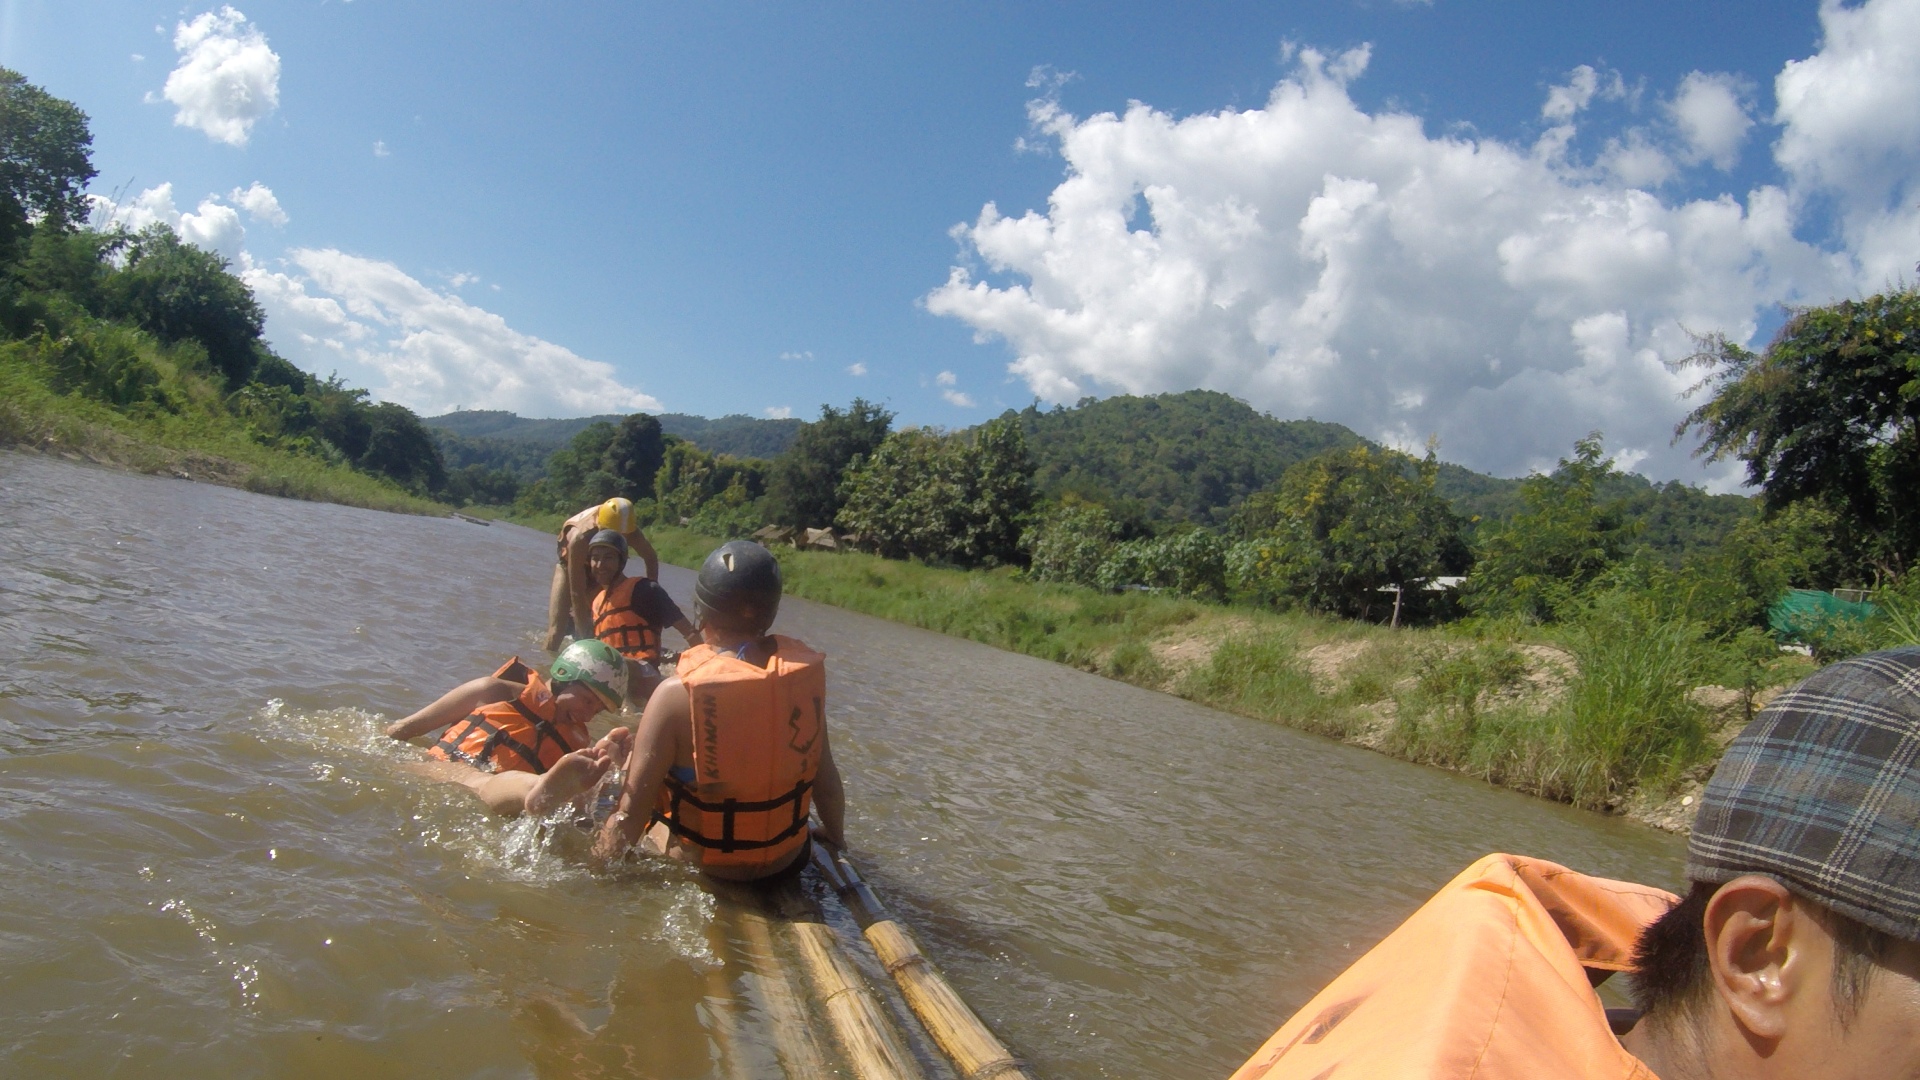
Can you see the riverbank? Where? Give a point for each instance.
(203, 447)
(1620, 712)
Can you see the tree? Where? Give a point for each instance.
(178, 292)
(1070, 543)
(1829, 411)
(947, 498)
(1343, 524)
(635, 454)
(399, 448)
(576, 475)
(45, 158)
(1546, 556)
(806, 480)
(691, 481)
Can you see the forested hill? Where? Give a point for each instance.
(1168, 457)
(500, 424)
(1195, 456)
(1153, 461)
(503, 440)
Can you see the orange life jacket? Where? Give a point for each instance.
(1488, 981)
(756, 750)
(513, 736)
(619, 623)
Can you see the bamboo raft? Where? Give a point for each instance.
(860, 1024)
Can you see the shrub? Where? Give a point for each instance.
(1070, 543)
(1627, 718)
(106, 365)
(1191, 562)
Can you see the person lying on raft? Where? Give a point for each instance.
(732, 751)
(570, 597)
(629, 614)
(1796, 952)
(518, 739)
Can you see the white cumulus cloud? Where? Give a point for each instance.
(778, 412)
(212, 225)
(424, 348)
(856, 370)
(259, 203)
(1318, 259)
(227, 80)
(1852, 131)
(1712, 117)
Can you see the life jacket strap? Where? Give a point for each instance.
(543, 729)
(729, 810)
(497, 738)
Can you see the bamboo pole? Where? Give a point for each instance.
(872, 1047)
(793, 1038)
(975, 1052)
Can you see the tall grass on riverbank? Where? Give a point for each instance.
(200, 443)
(1622, 718)
(1588, 712)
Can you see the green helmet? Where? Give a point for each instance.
(595, 663)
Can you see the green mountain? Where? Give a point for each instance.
(1168, 457)
(511, 427)
(498, 439)
(736, 434)
(1154, 461)
(1192, 457)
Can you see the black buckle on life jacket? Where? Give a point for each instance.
(497, 738)
(729, 810)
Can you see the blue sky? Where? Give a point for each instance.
(1487, 222)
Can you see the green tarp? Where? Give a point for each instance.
(1801, 611)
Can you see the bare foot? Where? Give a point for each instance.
(579, 771)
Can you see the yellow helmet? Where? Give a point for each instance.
(617, 514)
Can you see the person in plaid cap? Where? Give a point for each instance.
(1795, 952)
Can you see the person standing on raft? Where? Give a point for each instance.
(518, 740)
(570, 598)
(732, 751)
(629, 614)
(1796, 952)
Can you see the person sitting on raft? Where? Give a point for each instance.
(1796, 952)
(733, 750)
(629, 613)
(570, 597)
(518, 739)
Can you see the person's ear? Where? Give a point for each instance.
(1758, 938)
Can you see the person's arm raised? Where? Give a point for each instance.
(580, 583)
(639, 545)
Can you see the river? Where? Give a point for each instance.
(212, 863)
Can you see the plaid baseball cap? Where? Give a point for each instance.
(1822, 791)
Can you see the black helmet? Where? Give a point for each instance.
(611, 539)
(739, 588)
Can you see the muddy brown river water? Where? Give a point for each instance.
(213, 864)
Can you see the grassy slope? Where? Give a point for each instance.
(1599, 716)
(200, 447)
